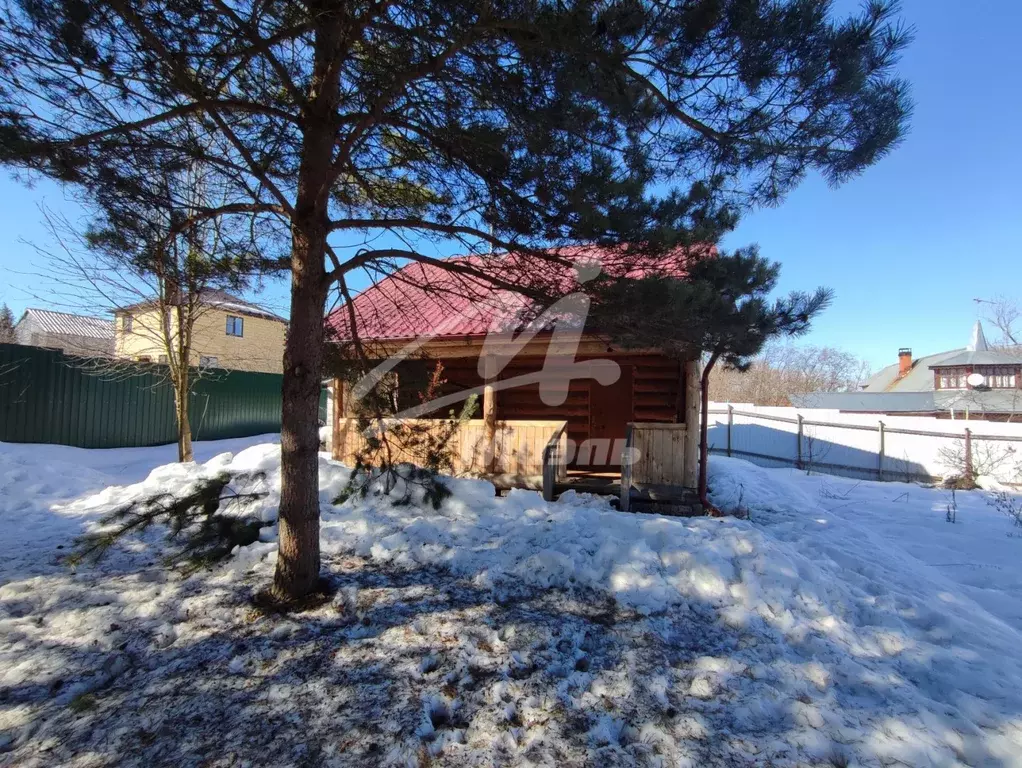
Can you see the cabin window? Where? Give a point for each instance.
(127, 321)
(235, 326)
(951, 378)
(999, 376)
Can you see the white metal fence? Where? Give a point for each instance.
(868, 446)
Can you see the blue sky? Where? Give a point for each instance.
(906, 247)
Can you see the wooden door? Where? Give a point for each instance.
(610, 410)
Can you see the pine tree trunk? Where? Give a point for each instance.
(297, 571)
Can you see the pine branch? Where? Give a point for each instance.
(196, 518)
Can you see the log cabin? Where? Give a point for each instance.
(561, 405)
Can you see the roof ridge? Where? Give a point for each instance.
(68, 314)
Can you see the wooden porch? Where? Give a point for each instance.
(588, 444)
(510, 454)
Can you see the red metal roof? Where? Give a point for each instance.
(429, 300)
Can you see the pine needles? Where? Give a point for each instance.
(200, 521)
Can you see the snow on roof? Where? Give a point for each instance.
(243, 307)
(225, 301)
(72, 325)
(430, 300)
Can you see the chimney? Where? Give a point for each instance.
(904, 362)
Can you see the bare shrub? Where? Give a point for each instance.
(1008, 503)
(815, 450)
(963, 470)
(783, 370)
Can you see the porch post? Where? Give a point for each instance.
(693, 373)
(337, 404)
(490, 412)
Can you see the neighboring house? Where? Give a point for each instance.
(229, 332)
(977, 382)
(603, 399)
(72, 334)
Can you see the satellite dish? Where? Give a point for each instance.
(976, 379)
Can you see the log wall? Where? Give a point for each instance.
(657, 391)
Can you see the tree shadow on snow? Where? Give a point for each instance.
(417, 667)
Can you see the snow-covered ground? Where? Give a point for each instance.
(844, 623)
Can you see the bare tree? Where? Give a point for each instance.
(6, 325)
(1005, 314)
(157, 277)
(783, 370)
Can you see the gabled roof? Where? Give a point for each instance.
(222, 300)
(915, 393)
(430, 300)
(920, 377)
(68, 324)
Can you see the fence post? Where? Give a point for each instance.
(798, 452)
(880, 457)
(968, 453)
(730, 424)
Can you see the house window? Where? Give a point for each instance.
(144, 359)
(163, 359)
(208, 361)
(127, 321)
(235, 326)
(951, 378)
(999, 376)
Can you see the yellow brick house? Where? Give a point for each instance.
(229, 333)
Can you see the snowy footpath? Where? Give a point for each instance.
(843, 624)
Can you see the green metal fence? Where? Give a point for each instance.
(49, 397)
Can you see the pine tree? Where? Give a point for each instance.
(6, 325)
(387, 126)
(721, 310)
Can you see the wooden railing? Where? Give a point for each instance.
(522, 450)
(658, 458)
